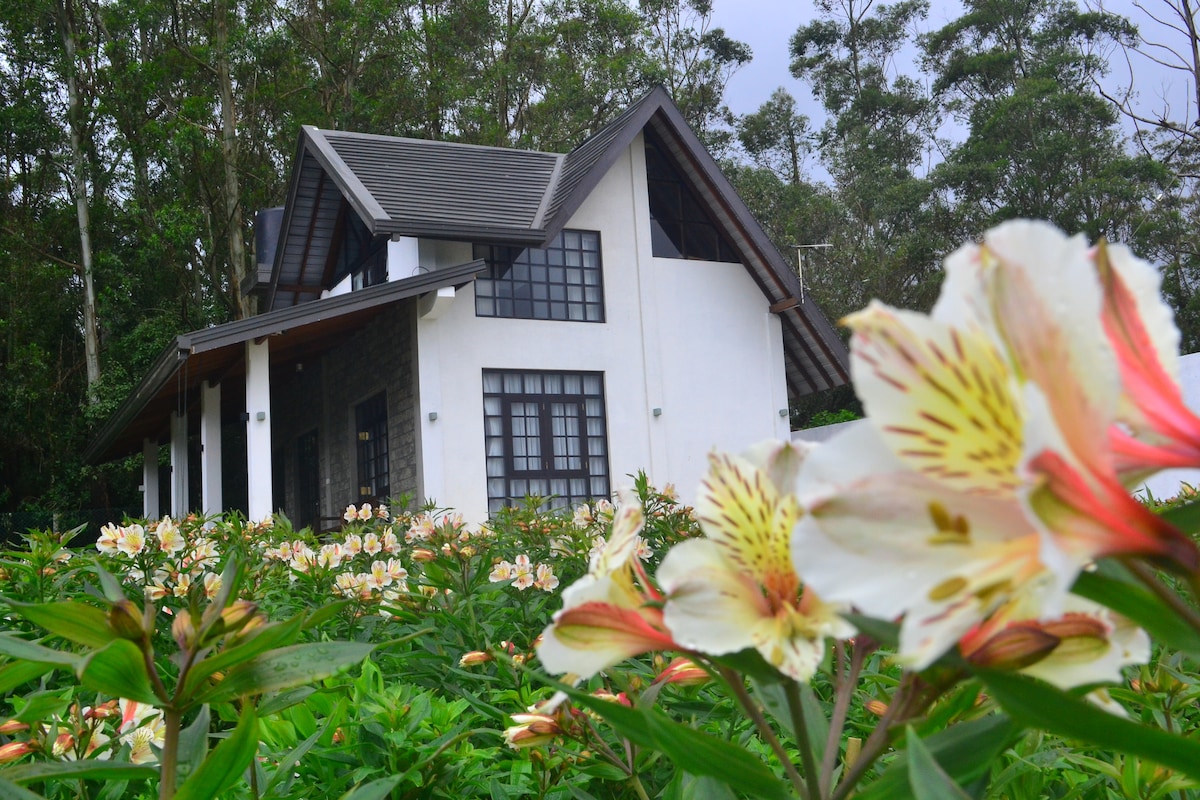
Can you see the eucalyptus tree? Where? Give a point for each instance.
(875, 143)
(1040, 142)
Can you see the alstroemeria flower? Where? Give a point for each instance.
(984, 469)
(1039, 296)
(611, 613)
(1159, 429)
(737, 588)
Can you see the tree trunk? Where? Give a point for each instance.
(229, 156)
(91, 338)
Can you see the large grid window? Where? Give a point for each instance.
(680, 225)
(370, 422)
(544, 436)
(562, 281)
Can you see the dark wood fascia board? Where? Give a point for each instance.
(360, 197)
(161, 371)
(289, 206)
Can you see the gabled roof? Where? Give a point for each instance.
(218, 352)
(444, 190)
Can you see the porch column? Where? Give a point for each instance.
(210, 448)
(179, 465)
(150, 502)
(258, 431)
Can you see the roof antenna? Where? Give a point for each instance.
(800, 248)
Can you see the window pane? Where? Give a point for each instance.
(553, 441)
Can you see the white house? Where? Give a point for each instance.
(477, 324)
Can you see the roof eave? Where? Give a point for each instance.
(161, 372)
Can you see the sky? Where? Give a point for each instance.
(767, 26)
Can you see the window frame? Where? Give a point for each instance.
(554, 283)
(371, 448)
(554, 449)
(678, 232)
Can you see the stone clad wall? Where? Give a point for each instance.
(381, 357)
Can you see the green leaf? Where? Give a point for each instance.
(268, 638)
(701, 754)
(375, 790)
(928, 780)
(1039, 705)
(88, 768)
(1138, 604)
(1185, 517)
(118, 670)
(75, 622)
(226, 763)
(882, 631)
(193, 744)
(19, 673)
(293, 759)
(324, 613)
(287, 667)
(111, 587)
(40, 705)
(24, 650)
(689, 749)
(11, 791)
(964, 751)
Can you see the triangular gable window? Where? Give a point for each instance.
(680, 225)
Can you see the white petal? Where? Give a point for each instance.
(709, 608)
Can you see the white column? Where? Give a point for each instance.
(258, 430)
(179, 465)
(150, 502)
(210, 448)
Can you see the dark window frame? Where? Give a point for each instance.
(562, 282)
(680, 223)
(521, 462)
(371, 448)
(308, 479)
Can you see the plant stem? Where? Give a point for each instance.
(764, 729)
(791, 690)
(841, 706)
(1151, 580)
(170, 754)
(906, 703)
(637, 787)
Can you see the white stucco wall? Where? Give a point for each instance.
(693, 339)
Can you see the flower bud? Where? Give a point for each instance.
(13, 726)
(474, 657)
(877, 707)
(1015, 647)
(684, 672)
(126, 620)
(183, 631)
(531, 730)
(13, 750)
(63, 744)
(238, 614)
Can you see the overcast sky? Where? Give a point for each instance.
(767, 26)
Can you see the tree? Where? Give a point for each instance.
(775, 136)
(1040, 142)
(889, 235)
(694, 62)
